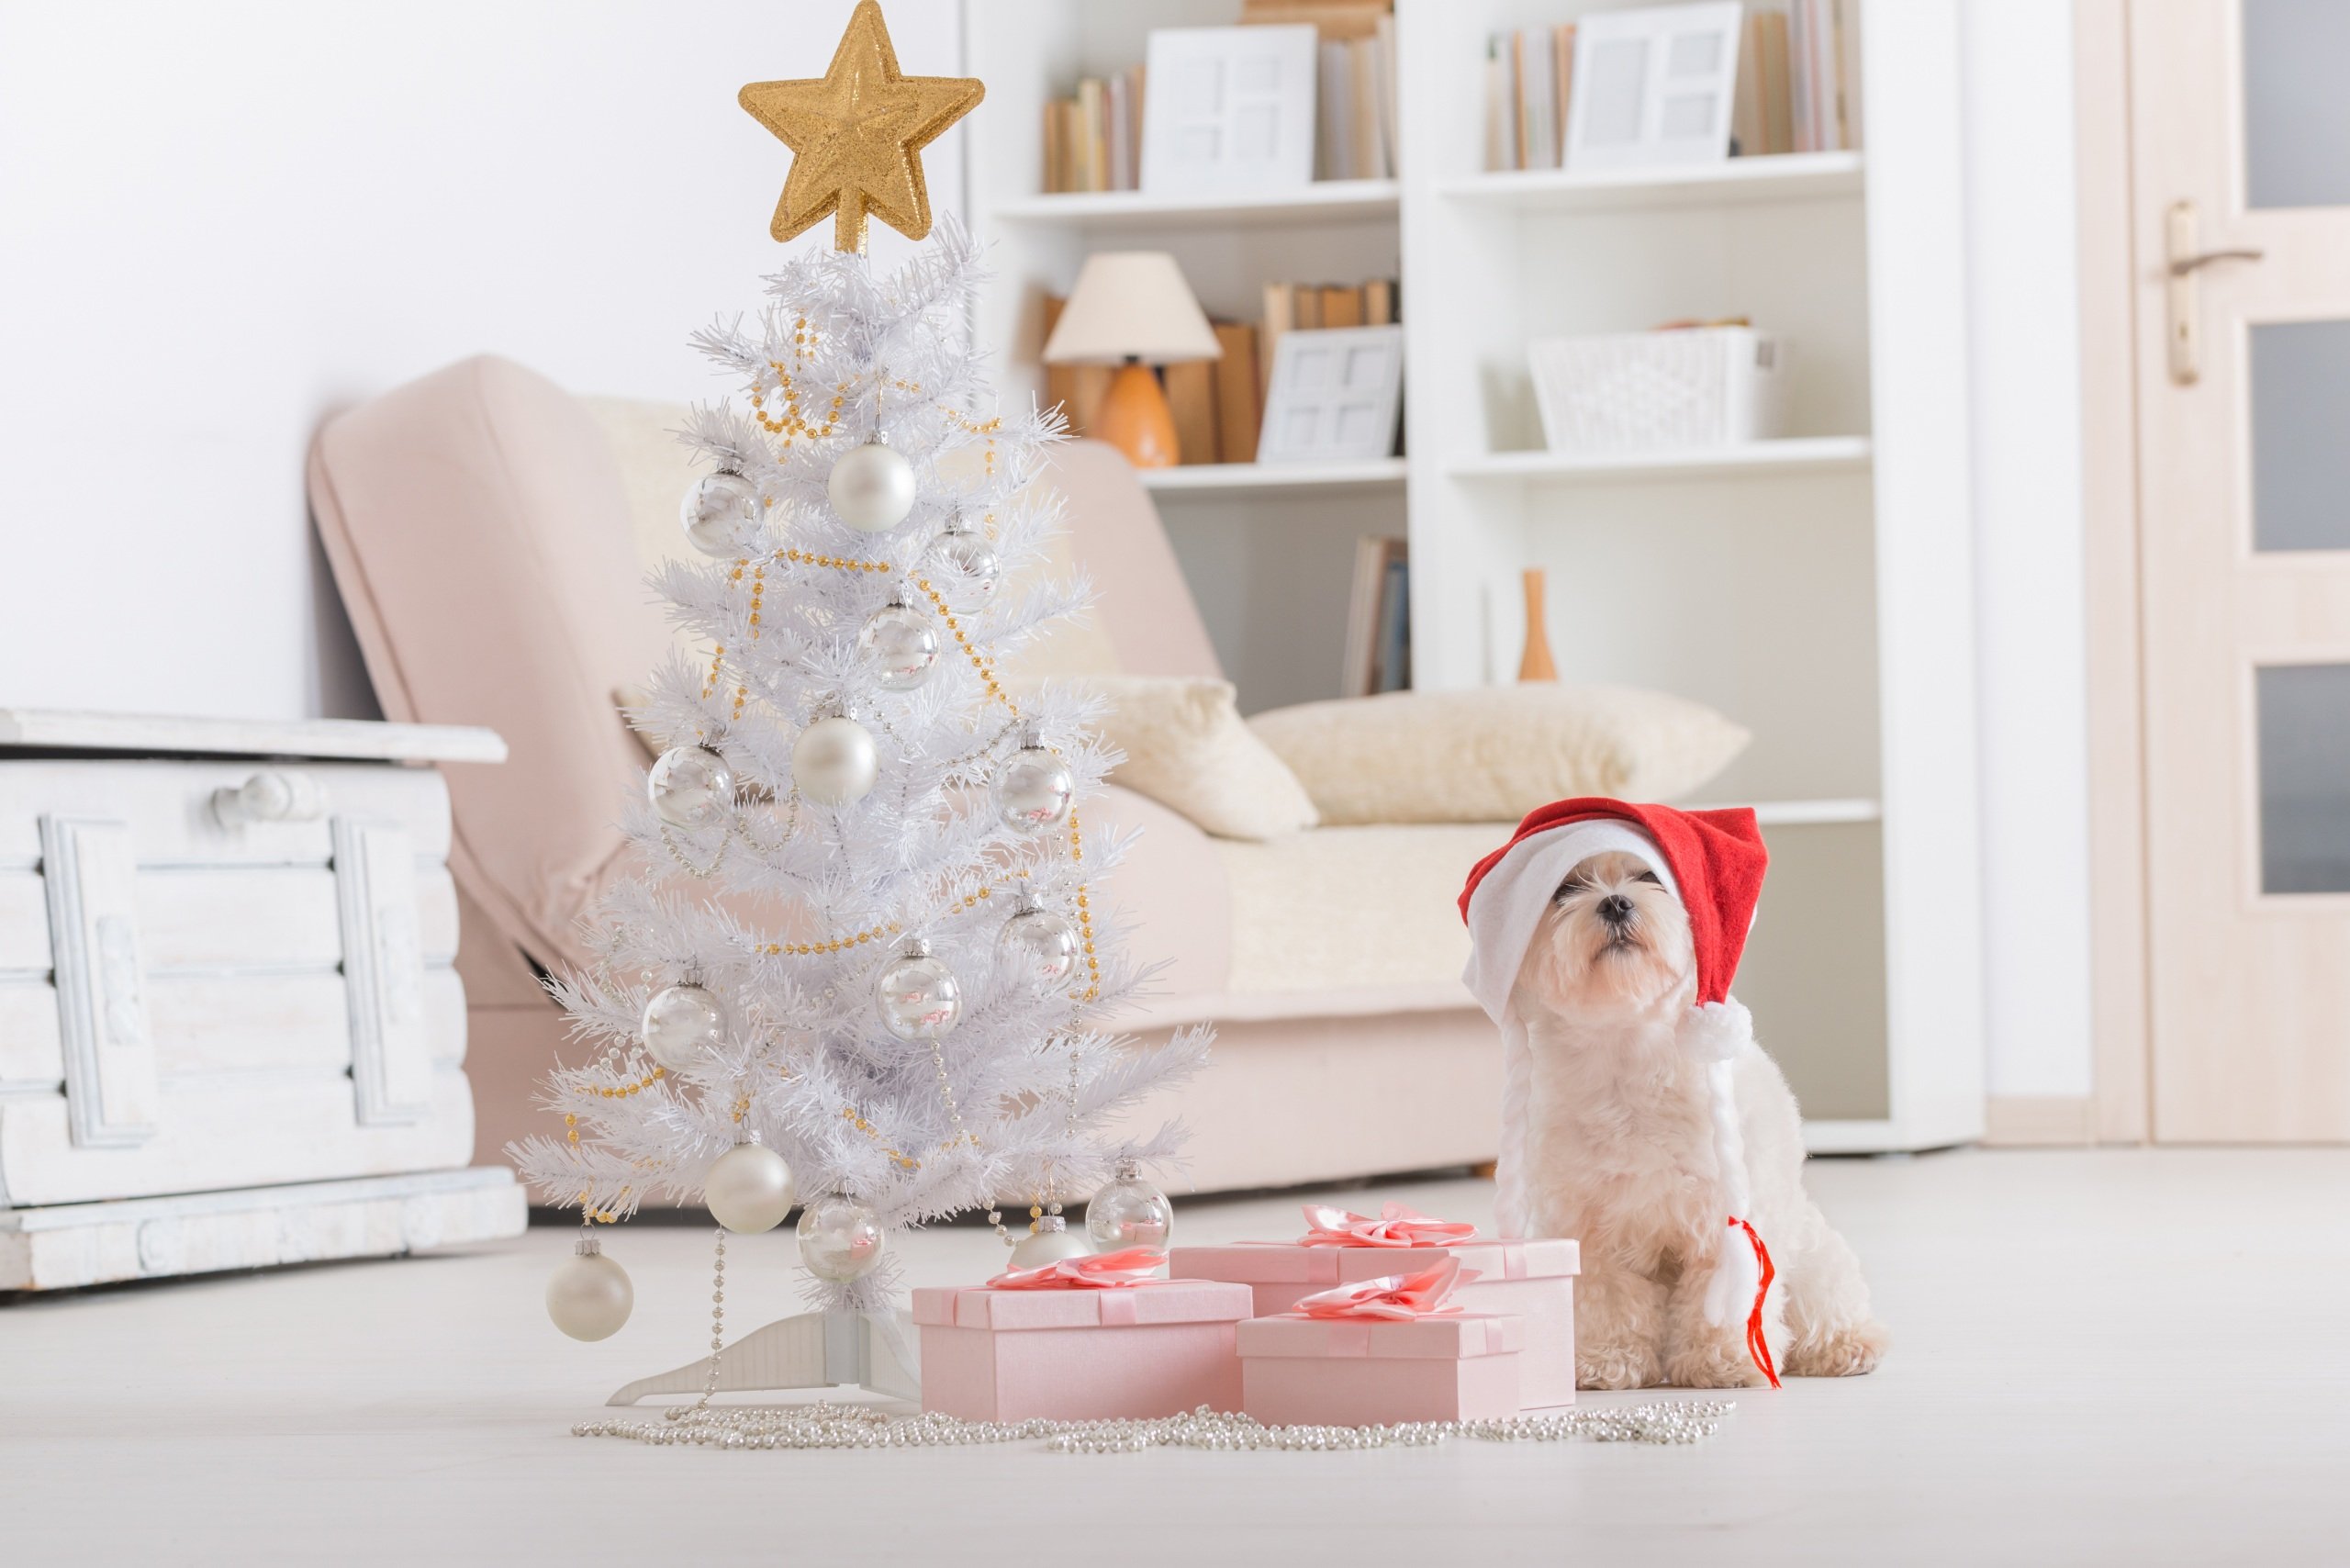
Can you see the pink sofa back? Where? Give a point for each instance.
(479, 529)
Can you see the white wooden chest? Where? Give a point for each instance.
(231, 1032)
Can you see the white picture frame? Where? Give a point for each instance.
(1229, 109)
(1654, 87)
(1336, 395)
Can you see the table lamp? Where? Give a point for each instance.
(1133, 310)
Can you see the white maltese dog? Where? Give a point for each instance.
(1622, 1154)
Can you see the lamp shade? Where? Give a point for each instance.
(1131, 305)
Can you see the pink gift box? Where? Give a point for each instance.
(1531, 1279)
(1297, 1371)
(1156, 1349)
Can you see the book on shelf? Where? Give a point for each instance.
(1379, 623)
(1798, 87)
(1191, 396)
(1093, 139)
(1527, 76)
(1239, 394)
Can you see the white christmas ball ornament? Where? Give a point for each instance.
(1051, 1241)
(967, 564)
(1129, 1212)
(690, 787)
(919, 997)
(833, 761)
(749, 1189)
(682, 1024)
(899, 646)
(720, 513)
(589, 1296)
(1032, 790)
(1037, 950)
(840, 1238)
(872, 487)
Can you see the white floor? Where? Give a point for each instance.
(2114, 1356)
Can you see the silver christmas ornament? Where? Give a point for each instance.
(967, 564)
(919, 997)
(720, 513)
(1129, 1212)
(589, 1296)
(872, 487)
(899, 646)
(1037, 950)
(1033, 789)
(682, 1024)
(841, 1239)
(833, 761)
(749, 1189)
(691, 787)
(1051, 1241)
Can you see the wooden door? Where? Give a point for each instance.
(2241, 227)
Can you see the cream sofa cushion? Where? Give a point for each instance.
(1495, 752)
(1187, 749)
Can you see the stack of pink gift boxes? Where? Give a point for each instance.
(1358, 1322)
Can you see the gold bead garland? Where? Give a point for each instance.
(902, 1162)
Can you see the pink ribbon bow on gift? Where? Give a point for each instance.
(1392, 1296)
(1396, 1226)
(1092, 1271)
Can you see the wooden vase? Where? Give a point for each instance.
(1535, 665)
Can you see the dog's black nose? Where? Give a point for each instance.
(1615, 910)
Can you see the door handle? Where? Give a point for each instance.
(2186, 264)
(2183, 236)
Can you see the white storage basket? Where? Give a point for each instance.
(1628, 392)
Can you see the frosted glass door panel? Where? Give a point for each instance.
(2305, 779)
(2301, 440)
(2297, 103)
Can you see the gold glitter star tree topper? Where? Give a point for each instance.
(856, 135)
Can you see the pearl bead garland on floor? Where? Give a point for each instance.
(828, 1425)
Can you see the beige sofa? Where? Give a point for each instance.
(491, 535)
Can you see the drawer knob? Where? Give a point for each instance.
(271, 796)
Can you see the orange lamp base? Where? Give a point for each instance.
(1135, 418)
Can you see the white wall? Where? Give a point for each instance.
(220, 222)
(2024, 360)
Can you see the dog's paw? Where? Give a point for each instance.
(1714, 1364)
(1844, 1352)
(1617, 1366)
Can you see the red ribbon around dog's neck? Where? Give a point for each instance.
(1756, 1346)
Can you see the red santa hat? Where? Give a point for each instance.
(1713, 862)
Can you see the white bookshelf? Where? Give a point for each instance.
(1817, 589)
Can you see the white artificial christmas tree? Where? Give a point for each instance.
(867, 962)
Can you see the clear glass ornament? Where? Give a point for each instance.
(833, 761)
(919, 997)
(691, 787)
(1051, 1241)
(721, 514)
(841, 1237)
(1033, 789)
(682, 1024)
(1129, 1212)
(899, 646)
(967, 564)
(749, 1189)
(1037, 950)
(872, 487)
(589, 1295)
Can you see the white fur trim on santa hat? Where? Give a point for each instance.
(1508, 906)
(1715, 1031)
